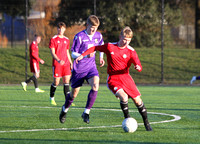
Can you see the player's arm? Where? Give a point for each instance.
(88, 51)
(70, 60)
(101, 60)
(52, 50)
(100, 48)
(136, 61)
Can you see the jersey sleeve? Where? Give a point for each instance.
(51, 43)
(101, 48)
(34, 52)
(135, 60)
(76, 44)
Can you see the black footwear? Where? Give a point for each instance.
(85, 118)
(62, 116)
(147, 126)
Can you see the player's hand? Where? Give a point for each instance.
(71, 66)
(91, 55)
(102, 62)
(138, 68)
(79, 58)
(61, 62)
(42, 61)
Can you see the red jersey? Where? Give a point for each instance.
(34, 53)
(119, 59)
(61, 45)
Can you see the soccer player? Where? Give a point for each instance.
(194, 78)
(34, 64)
(120, 56)
(62, 63)
(86, 69)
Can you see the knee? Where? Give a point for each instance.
(137, 101)
(95, 87)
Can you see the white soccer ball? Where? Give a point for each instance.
(129, 125)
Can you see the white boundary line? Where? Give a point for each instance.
(175, 118)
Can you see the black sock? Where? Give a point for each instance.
(52, 90)
(142, 110)
(124, 107)
(30, 79)
(66, 90)
(35, 82)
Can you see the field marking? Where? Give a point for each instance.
(175, 118)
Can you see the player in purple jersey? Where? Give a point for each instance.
(194, 78)
(86, 69)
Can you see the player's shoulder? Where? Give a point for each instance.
(130, 48)
(33, 44)
(80, 34)
(54, 37)
(66, 38)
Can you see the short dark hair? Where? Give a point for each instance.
(36, 35)
(60, 24)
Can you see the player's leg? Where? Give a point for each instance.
(34, 69)
(94, 83)
(66, 89)
(143, 112)
(194, 78)
(53, 87)
(37, 89)
(123, 102)
(68, 101)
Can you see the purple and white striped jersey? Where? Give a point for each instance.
(82, 41)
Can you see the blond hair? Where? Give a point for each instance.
(93, 20)
(127, 32)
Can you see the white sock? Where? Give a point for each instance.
(52, 98)
(65, 110)
(87, 111)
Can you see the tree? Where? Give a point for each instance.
(74, 11)
(14, 7)
(143, 16)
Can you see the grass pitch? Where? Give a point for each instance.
(28, 117)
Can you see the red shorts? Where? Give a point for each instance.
(125, 82)
(34, 67)
(61, 71)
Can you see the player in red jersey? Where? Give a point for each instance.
(34, 64)
(120, 56)
(62, 63)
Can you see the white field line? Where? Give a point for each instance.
(175, 118)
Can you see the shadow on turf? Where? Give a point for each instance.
(73, 141)
(149, 109)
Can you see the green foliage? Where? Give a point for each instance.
(74, 11)
(14, 7)
(144, 17)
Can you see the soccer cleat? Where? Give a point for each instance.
(24, 84)
(193, 79)
(73, 104)
(85, 118)
(62, 116)
(147, 126)
(37, 90)
(52, 102)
